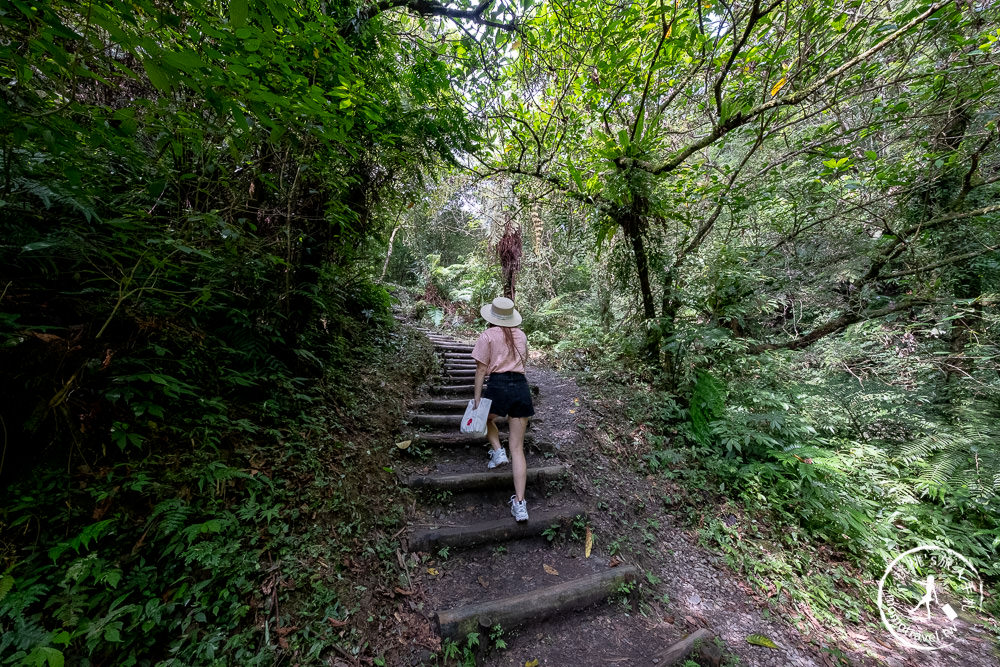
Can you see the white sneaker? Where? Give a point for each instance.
(519, 509)
(497, 458)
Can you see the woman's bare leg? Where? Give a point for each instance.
(518, 425)
(492, 432)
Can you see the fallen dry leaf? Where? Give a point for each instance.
(402, 592)
(404, 444)
(550, 570)
(433, 571)
(45, 338)
(615, 561)
(335, 623)
(483, 582)
(531, 663)
(588, 543)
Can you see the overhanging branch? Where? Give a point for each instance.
(740, 119)
(832, 327)
(430, 8)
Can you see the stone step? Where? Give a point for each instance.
(501, 530)
(471, 481)
(440, 405)
(454, 390)
(451, 420)
(456, 439)
(418, 419)
(457, 376)
(448, 348)
(535, 605)
(464, 390)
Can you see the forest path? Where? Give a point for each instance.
(472, 552)
(554, 604)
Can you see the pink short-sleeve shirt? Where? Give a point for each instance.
(492, 350)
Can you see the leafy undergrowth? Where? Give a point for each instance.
(223, 516)
(808, 523)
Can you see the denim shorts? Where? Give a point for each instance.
(510, 394)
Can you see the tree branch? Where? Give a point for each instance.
(649, 75)
(431, 8)
(832, 327)
(739, 119)
(944, 262)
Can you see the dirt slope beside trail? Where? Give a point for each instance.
(687, 587)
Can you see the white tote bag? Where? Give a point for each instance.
(474, 421)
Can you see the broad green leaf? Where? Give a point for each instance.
(239, 10)
(575, 174)
(157, 76)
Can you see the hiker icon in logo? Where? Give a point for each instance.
(926, 600)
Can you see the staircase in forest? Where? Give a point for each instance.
(491, 570)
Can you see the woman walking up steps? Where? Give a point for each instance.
(501, 352)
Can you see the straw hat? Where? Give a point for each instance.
(501, 313)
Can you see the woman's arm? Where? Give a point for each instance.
(480, 376)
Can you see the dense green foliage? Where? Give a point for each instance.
(780, 220)
(189, 196)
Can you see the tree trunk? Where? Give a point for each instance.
(631, 224)
(668, 328)
(388, 255)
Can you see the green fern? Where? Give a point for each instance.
(6, 584)
(173, 516)
(51, 193)
(958, 459)
(707, 405)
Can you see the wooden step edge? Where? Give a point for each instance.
(443, 404)
(456, 439)
(460, 388)
(501, 530)
(534, 605)
(469, 481)
(420, 419)
(453, 420)
(708, 653)
(453, 389)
